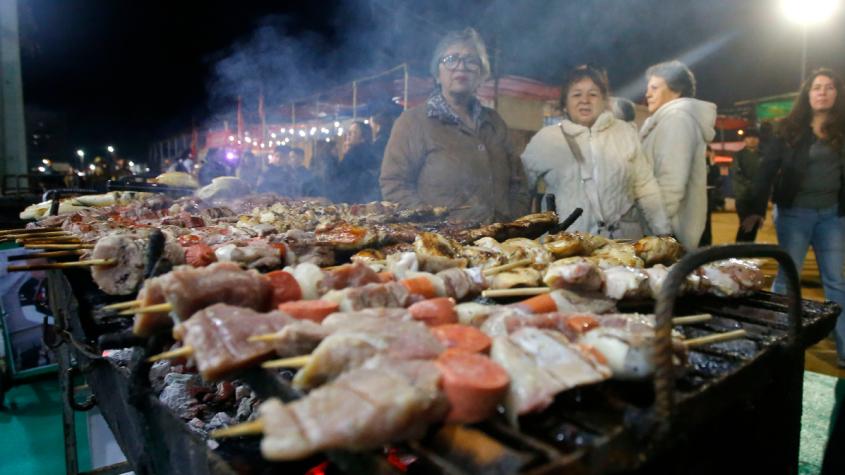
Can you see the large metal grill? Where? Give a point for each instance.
(735, 407)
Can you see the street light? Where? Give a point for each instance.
(110, 149)
(81, 154)
(807, 13)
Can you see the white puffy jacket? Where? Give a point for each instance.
(675, 139)
(623, 176)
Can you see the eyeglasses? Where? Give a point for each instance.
(471, 62)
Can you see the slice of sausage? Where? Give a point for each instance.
(543, 303)
(473, 383)
(314, 310)
(420, 285)
(285, 287)
(436, 311)
(462, 337)
(200, 255)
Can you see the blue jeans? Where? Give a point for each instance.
(800, 228)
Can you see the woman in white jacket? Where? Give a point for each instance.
(675, 140)
(593, 161)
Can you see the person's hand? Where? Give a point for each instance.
(751, 222)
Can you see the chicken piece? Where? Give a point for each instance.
(218, 335)
(617, 255)
(574, 273)
(436, 252)
(390, 294)
(656, 276)
(541, 364)
(127, 274)
(568, 244)
(731, 278)
(522, 276)
(346, 237)
(345, 276)
(482, 257)
(658, 250)
(351, 345)
(402, 263)
(625, 283)
(462, 284)
(363, 409)
(522, 248)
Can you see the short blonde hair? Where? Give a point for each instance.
(467, 36)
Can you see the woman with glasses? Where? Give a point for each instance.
(451, 151)
(593, 161)
(805, 162)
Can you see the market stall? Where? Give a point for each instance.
(612, 360)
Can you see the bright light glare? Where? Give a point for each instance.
(110, 149)
(808, 12)
(248, 140)
(740, 132)
(92, 167)
(231, 138)
(131, 164)
(80, 153)
(42, 169)
(273, 134)
(45, 161)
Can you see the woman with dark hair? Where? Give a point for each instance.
(593, 161)
(451, 151)
(804, 161)
(674, 138)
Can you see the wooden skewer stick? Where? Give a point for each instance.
(39, 242)
(264, 337)
(255, 427)
(292, 362)
(122, 305)
(719, 337)
(158, 308)
(182, 352)
(504, 267)
(59, 247)
(31, 237)
(63, 265)
(36, 255)
(6, 232)
(690, 319)
(516, 292)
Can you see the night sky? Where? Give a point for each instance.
(127, 73)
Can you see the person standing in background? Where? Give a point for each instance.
(249, 169)
(804, 165)
(358, 173)
(743, 170)
(451, 151)
(382, 124)
(674, 138)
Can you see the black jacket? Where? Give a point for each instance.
(357, 177)
(783, 165)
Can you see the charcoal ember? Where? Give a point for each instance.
(158, 371)
(221, 419)
(246, 408)
(225, 391)
(197, 425)
(121, 357)
(743, 348)
(242, 391)
(177, 394)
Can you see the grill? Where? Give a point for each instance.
(735, 407)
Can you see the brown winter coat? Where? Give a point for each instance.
(431, 162)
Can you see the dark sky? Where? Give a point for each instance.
(129, 72)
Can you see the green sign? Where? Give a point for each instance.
(773, 109)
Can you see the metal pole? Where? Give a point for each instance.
(12, 129)
(354, 99)
(293, 114)
(803, 53)
(405, 96)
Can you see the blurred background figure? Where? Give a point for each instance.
(382, 124)
(99, 175)
(249, 169)
(71, 179)
(358, 173)
(185, 162)
(216, 164)
(121, 169)
(323, 168)
(715, 200)
(276, 174)
(623, 109)
(743, 169)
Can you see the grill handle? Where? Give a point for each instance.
(664, 383)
